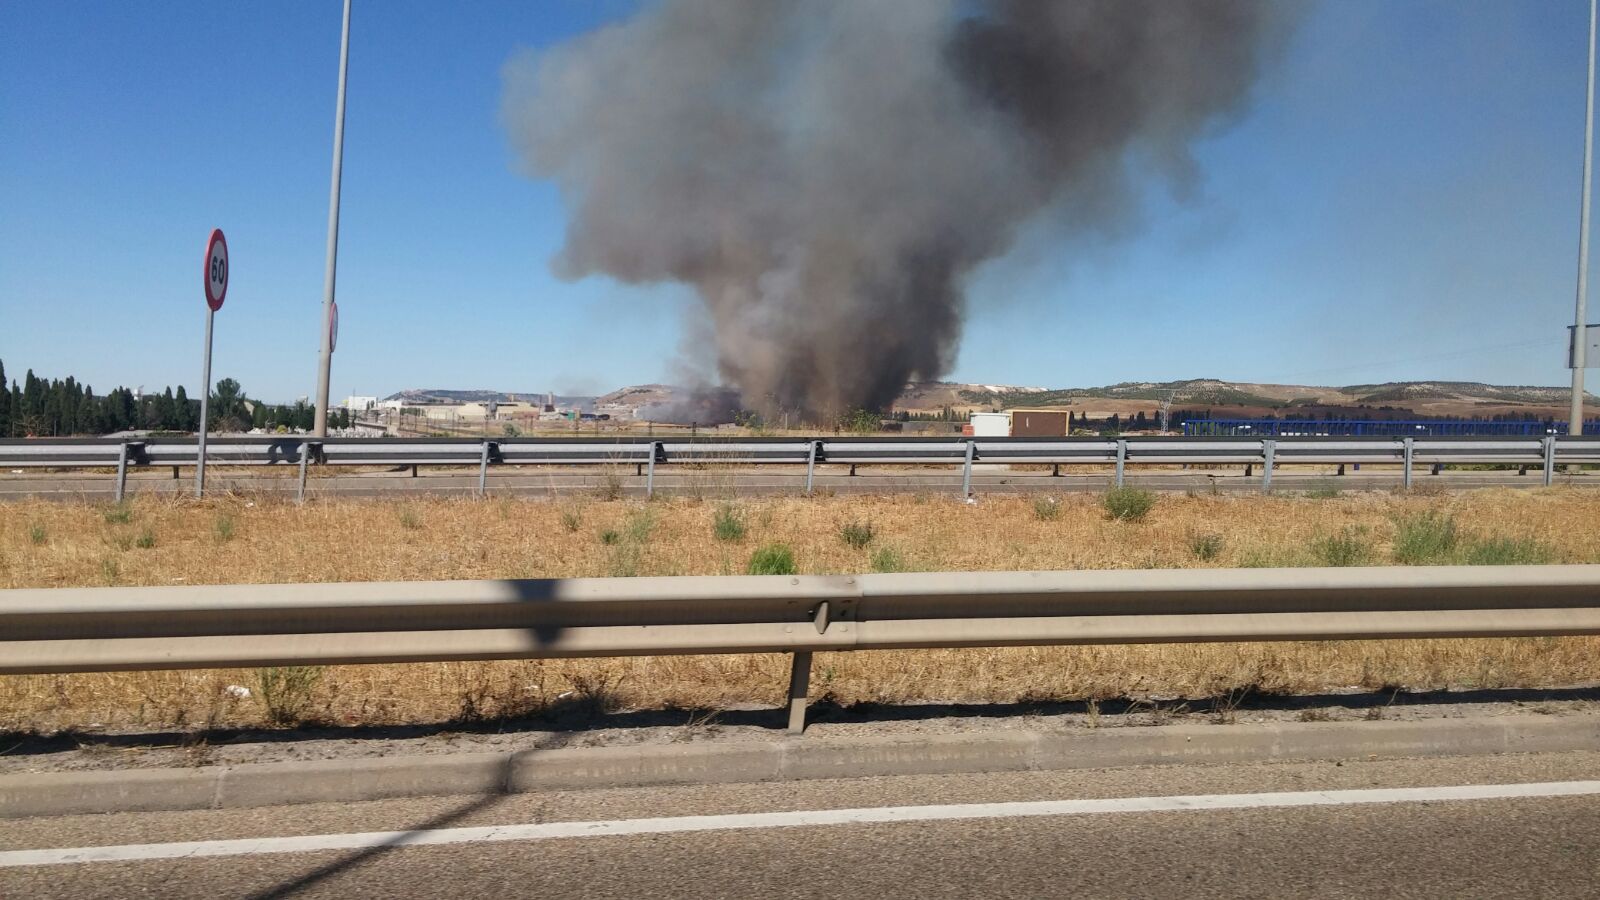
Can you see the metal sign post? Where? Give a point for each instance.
(216, 292)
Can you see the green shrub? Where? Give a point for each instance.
(146, 540)
(1348, 548)
(888, 559)
(1129, 504)
(856, 535)
(772, 559)
(223, 529)
(640, 523)
(120, 514)
(409, 520)
(36, 534)
(286, 692)
(571, 520)
(1427, 538)
(1205, 547)
(610, 537)
(1046, 508)
(1508, 552)
(728, 524)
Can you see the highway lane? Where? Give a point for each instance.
(745, 482)
(1500, 847)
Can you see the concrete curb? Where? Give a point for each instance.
(526, 771)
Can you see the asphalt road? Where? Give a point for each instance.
(1380, 844)
(758, 482)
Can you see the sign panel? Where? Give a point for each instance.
(1591, 342)
(216, 270)
(333, 326)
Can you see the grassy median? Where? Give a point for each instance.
(262, 540)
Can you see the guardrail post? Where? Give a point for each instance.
(811, 463)
(1122, 458)
(1268, 449)
(1549, 459)
(305, 456)
(799, 686)
(650, 477)
(122, 470)
(483, 468)
(966, 472)
(1409, 447)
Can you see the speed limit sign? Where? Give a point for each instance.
(216, 270)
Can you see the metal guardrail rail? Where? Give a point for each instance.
(142, 628)
(646, 454)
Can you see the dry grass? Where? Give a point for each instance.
(269, 540)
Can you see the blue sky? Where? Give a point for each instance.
(1400, 202)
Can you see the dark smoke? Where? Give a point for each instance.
(826, 174)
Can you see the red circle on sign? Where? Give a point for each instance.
(216, 288)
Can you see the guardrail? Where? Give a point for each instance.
(646, 454)
(141, 628)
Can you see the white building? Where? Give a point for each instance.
(360, 404)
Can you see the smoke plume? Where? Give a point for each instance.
(826, 174)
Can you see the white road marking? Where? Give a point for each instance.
(801, 818)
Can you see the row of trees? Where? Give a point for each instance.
(37, 407)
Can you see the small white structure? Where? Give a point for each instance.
(991, 424)
(360, 404)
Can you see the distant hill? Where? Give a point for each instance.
(429, 396)
(666, 402)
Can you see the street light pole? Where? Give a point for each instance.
(321, 424)
(1575, 420)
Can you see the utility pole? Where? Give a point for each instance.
(320, 428)
(1579, 342)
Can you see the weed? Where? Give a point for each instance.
(1347, 548)
(223, 529)
(1129, 504)
(1324, 490)
(623, 561)
(1046, 508)
(640, 523)
(146, 539)
(1314, 715)
(286, 692)
(610, 487)
(109, 570)
(1225, 709)
(592, 695)
(856, 535)
(1205, 546)
(772, 559)
(119, 514)
(1507, 552)
(409, 519)
(610, 537)
(1427, 538)
(1091, 713)
(122, 542)
(888, 559)
(728, 524)
(571, 520)
(36, 534)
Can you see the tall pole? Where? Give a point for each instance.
(1575, 420)
(321, 427)
(205, 407)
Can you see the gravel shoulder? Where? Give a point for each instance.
(109, 749)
